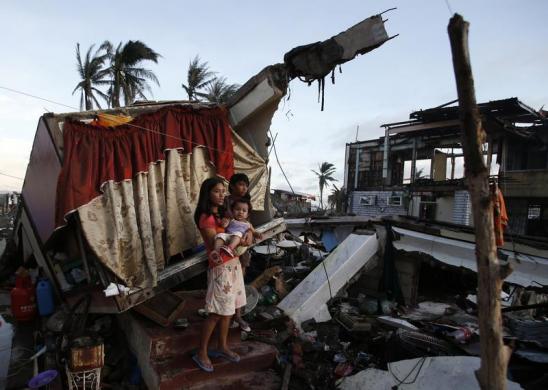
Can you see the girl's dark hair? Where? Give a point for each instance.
(236, 178)
(204, 204)
(243, 199)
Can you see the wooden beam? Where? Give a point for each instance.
(494, 354)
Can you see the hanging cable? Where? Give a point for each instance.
(127, 124)
(280, 165)
(13, 177)
(449, 8)
(37, 97)
(419, 364)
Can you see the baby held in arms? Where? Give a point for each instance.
(235, 229)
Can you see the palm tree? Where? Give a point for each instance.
(128, 79)
(198, 77)
(325, 175)
(219, 91)
(420, 174)
(337, 198)
(92, 74)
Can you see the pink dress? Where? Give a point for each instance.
(225, 282)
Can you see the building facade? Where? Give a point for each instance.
(417, 168)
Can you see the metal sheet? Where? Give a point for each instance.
(40, 186)
(308, 299)
(431, 373)
(528, 270)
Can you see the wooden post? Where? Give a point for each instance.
(494, 354)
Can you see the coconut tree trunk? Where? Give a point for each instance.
(87, 98)
(116, 91)
(494, 354)
(321, 197)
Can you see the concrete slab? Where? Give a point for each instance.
(164, 354)
(308, 299)
(182, 373)
(528, 270)
(150, 341)
(430, 373)
(263, 380)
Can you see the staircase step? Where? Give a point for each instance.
(181, 372)
(150, 341)
(258, 380)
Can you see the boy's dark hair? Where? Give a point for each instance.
(243, 199)
(236, 178)
(204, 204)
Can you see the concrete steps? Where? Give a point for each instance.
(182, 373)
(261, 380)
(164, 354)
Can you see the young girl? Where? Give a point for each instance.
(225, 282)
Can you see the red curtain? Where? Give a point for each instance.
(94, 155)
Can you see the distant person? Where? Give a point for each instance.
(225, 281)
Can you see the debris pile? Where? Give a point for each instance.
(368, 335)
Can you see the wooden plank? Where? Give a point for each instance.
(162, 309)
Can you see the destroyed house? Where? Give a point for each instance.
(416, 169)
(292, 202)
(108, 196)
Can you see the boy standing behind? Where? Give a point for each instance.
(239, 188)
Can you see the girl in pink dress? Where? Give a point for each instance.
(225, 282)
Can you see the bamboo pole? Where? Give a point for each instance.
(494, 354)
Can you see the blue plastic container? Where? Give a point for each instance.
(44, 297)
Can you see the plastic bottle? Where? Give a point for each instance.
(461, 335)
(6, 336)
(23, 301)
(44, 297)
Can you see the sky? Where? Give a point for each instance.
(239, 38)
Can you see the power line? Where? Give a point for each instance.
(127, 124)
(36, 97)
(280, 165)
(13, 177)
(449, 7)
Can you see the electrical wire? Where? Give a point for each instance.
(449, 7)
(327, 277)
(13, 177)
(403, 381)
(37, 97)
(280, 165)
(126, 124)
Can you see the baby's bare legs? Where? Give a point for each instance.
(219, 242)
(234, 242)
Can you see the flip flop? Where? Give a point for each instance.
(213, 353)
(234, 325)
(227, 250)
(245, 328)
(201, 364)
(233, 359)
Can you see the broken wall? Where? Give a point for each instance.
(360, 203)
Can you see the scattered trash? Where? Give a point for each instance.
(114, 289)
(181, 323)
(396, 323)
(43, 379)
(343, 369)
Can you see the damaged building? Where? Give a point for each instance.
(417, 170)
(289, 202)
(105, 226)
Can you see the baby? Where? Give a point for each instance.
(236, 228)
